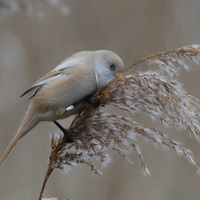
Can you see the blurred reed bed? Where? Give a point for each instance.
(36, 8)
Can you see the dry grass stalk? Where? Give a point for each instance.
(94, 132)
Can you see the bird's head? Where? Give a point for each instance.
(107, 65)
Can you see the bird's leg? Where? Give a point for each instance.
(86, 99)
(93, 104)
(64, 130)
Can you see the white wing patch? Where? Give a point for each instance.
(67, 63)
(54, 74)
(47, 80)
(97, 79)
(39, 84)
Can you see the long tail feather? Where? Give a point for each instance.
(30, 120)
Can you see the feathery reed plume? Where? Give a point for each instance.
(94, 132)
(172, 61)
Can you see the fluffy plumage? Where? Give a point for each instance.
(74, 79)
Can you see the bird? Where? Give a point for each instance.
(63, 91)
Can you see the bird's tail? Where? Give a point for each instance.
(30, 120)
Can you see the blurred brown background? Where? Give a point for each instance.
(31, 44)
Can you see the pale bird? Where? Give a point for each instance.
(61, 93)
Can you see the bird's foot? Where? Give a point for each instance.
(93, 104)
(65, 132)
(66, 135)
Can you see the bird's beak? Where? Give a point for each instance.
(117, 74)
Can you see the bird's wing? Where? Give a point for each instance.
(63, 69)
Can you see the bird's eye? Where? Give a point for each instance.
(112, 67)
